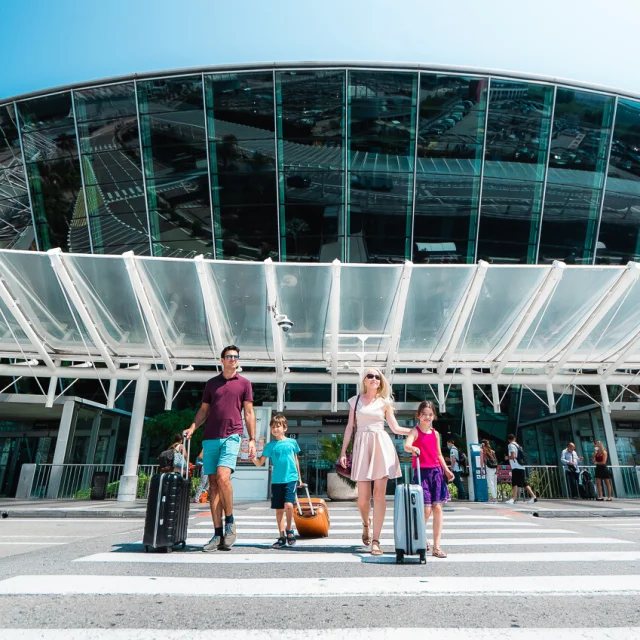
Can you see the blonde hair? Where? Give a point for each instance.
(384, 390)
(599, 444)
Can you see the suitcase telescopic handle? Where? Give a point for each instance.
(306, 487)
(418, 469)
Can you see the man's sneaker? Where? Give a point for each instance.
(509, 501)
(229, 536)
(532, 500)
(213, 545)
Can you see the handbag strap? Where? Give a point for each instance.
(355, 414)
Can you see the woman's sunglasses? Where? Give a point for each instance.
(372, 376)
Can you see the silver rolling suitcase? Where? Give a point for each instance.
(409, 529)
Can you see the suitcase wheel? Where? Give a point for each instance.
(399, 557)
(423, 557)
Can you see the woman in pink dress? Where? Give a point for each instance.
(374, 457)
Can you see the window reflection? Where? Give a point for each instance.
(16, 229)
(579, 148)
(619, 239)
(172, 129)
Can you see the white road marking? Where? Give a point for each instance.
(318, 587)
(573, 633)
(358, 519)
(30, 543)
(350, 531)
(296, 557)
(470, 542)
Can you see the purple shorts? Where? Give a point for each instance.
(434, 485)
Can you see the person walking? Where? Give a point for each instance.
(374, 457)
(204, 479)
(424, 442)
(489, 461)
(600, 458)
(285, 478)
(518, 471)
(570, 461)
(225, 398)
(454, 458)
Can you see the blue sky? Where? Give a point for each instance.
(47, 43)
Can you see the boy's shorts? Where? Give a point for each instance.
(282, 492)
(221, 452)
(518, 478)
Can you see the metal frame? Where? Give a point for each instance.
(334, 321)
(142, 166)
(415, 167)
(481, 177)
(209, 298)
(277, 164)
(141, 294)
(276, 335)
(206, 135)
(398, 316)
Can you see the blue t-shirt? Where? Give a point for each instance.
(282, 454)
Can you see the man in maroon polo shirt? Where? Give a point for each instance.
(224, 399)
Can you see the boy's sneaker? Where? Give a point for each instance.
(510, 501)
(213, 545)
(229, 536)
(532, 500)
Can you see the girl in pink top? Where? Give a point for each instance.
(424, 442)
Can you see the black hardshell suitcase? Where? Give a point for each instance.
(167, 518)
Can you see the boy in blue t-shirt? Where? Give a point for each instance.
(286, 474)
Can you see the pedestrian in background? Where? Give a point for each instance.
(424, 443)
(179, 454)
(600, 458)
(454, 458)
(489, 461)
(518, 471)
(570, 461)
(204, 479)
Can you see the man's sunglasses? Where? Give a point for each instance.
(229, 357)
(372, 376)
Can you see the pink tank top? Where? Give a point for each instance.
(428, 445)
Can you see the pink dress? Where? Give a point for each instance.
(374, 455)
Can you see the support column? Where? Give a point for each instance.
(129, 479)
(91, 450)
(67, 422)
(614, 461)
(470, 424)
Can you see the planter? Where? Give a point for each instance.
(338, 489)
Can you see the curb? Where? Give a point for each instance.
(574, 513)
(50, 513)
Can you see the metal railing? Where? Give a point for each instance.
(64, 481)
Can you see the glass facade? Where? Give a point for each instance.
(310, 164)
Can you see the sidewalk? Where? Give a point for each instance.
(11, 508)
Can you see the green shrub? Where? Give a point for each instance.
(453, 491)
(83, 494)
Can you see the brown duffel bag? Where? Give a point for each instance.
(311, 517)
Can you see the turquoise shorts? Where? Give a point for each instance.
(222, 452)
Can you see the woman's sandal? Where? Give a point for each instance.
(291, 537)
(375, 548)
(280, 543)
(366, 534)
(438, 553)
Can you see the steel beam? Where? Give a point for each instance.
(334, 328)
(276, 331)
(211, 304)
(398, 317)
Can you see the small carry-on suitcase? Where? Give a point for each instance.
(409, 529)
(167, 517)
(588, 490)
(312, 519)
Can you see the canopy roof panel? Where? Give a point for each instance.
(166, 312)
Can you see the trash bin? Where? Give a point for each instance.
(99, 485)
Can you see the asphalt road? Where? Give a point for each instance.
(506, 569)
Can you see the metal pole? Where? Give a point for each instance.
(614, 461)
(470, 424)
(64, 431)
(129, 479)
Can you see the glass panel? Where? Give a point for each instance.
(619, 239)
(240, 123)
(242, 296)
(110, 102)
(509, 221)
(434, 295)
(518, 126)
(445, 218)
(172, 130)
(46, 113)
(178, 305)
(16, 226)
(303, 295)
(569, 224)
(11, 335)
(504, 295)
(573, 298)
(579, 149)
(310, 114)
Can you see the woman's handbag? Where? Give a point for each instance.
(346, 470)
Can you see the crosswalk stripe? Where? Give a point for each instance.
(318, 587)
(388, 522)
(29, 543)
(497, 519)
(469, 542)
(573, 633)
(301, 557)
(351, 531)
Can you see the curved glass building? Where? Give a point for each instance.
(313, 162)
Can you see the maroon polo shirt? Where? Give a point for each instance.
(225, 398)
